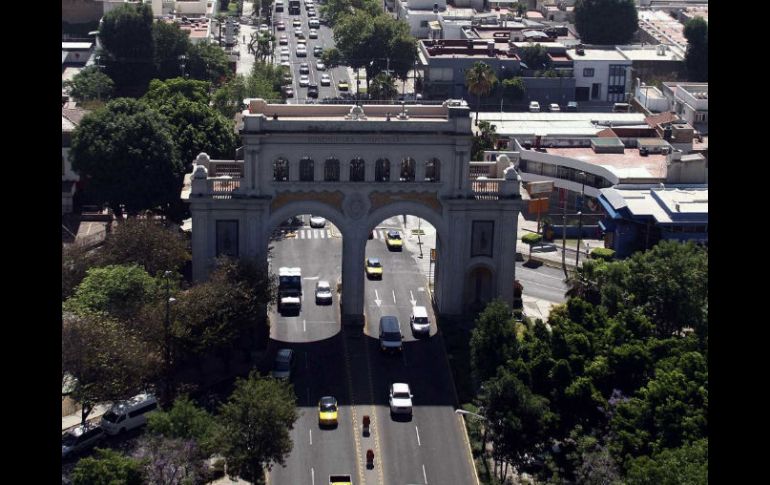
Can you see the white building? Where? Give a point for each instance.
(357, 166)
(600, 74)
(690, 101)
(419, 13)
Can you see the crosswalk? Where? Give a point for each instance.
(328, 234)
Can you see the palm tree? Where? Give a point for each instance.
(479, 79)
(383, 87)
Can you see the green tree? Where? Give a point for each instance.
(518, 420)
(185, 421)
(127, 158)
(332, 57)
(256, 422)
(126, 34)
(696, 31)
(686, 465)
(606, 21)
(108, 467)
(91, 84)
(402, 52)
(531, 239)
(479, 80)
(383, 87)
(485, 140)
(514, 88)
(208, 62)
(535, 56)
(351, 36)
(177, 89)
(170, 43)
(148, 243)
(117, 290)
(493, 340)
(108, 361)
(76, 259)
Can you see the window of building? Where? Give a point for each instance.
(407, 170)
(331, 170)
(549, 170)
(382, 170)
(281, 170)
(423, 23)
(357, 170)
(588, 72)
(433, 170)
(596, 90)
(306, 170)
(227, 238)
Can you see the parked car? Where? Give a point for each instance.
(81, 438)
(298, 33)
(130, 414)
(554, 108)
(534, 107)
(400, 399)
(296, 23)
(572, 106)
(284, 362)
(280, 26)
(323, 293)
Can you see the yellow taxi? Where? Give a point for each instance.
(393, 241)
(373, 268)
(327, 411)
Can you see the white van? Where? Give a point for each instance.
(127, 415)
(419, 320)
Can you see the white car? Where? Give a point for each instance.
(301, 51)
(286, 63)
(80, 438)
(323, 293)
(534, 107)
(400, 399)
(283, 40)
(304, 80)
(554, 108)
(313, 34)
(320, 66)
(284, 58)
(298, 33)
(285, 50)
(316, 221)
(326, 80)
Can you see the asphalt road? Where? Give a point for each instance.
(544, 282)
(325, 39)
(428, 448)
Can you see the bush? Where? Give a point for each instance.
(605, 254)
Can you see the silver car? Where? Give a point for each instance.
(317, 222)
(80, 438)
(323, 293)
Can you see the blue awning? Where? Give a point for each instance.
(608, 208)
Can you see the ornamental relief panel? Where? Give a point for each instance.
(428, 199)
(332, 199)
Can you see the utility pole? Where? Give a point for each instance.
(564, 237)
(580, 219)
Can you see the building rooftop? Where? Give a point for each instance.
(665, 204)
(345, 112)
(597, 55)
(599, 118)
(626, 165)
(662, 27)
(649, 53)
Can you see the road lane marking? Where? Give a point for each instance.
(353, 413)
(411, 296)
(304, 326)
(312, 475)
(394, 296)
(418, 436)
(377, 298)
(310, 431)
(424, 475)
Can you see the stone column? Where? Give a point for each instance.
(453, 255)
(344, 170)
(249, 161)
(293, 170)
(419, 170)
(395, 170)
(200, 230)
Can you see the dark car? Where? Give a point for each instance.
(572, 106)
(318, 50)
(312, 90)
(304, 68)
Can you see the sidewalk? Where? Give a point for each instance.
(552, 257)
(72, 420)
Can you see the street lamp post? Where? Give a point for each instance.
(167, 335)
(580, 219)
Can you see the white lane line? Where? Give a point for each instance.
(424, 475)
(394, 296)
(323, 234)
(316, 234)
(304, 326)
(411, 298)
(312, 475)
(418, 436)
(377, 298)
(302, 234)
(310, 432)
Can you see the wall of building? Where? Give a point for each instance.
(550, 90)
(601, 75)
(81, 11)
(196, 7)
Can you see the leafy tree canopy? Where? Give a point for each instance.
(177, 89)
(256, 422)
(126, 157)
(208, 62)
(606, 21)
(185, 421)
(91, 84)
(493, 340)
(687, 465)
(126, 33)
(108, 467)
(117, 290)
(696, 31)
(535, 56)
(170, 43)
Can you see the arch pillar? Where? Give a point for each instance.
(353, 256)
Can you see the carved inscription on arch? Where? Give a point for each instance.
(428, 199)
(332, 199)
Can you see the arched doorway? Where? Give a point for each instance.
(479, 288)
